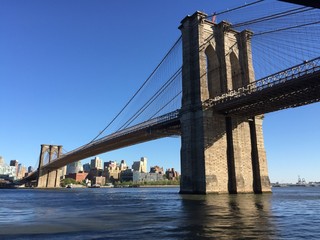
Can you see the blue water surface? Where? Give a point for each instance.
(158, 213)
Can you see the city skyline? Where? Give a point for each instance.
(67, 68)
(89, 162)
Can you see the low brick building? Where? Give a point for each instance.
(79, 177)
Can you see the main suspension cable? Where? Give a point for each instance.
(136, 93)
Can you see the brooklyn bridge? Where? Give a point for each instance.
(212, 89)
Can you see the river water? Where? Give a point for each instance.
(158, 213)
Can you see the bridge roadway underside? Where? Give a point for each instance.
(156, 131)
(308, 3)
(292, 93)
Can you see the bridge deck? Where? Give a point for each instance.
(297, 86)
(164, 126)
(284, 90)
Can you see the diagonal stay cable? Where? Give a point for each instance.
(273, 16)
(136, 93)
(234, 9)
(151, 100)
(287, 28)
(179, 93)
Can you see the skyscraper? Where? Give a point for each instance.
(140, 166)
(15, 163)
(96, 163)
(74, 167)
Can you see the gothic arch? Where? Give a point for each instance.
(235, 71)
(213, 72)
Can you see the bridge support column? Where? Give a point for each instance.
(219, 153)
(261, 182)
(48, 178)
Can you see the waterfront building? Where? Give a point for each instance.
(9, 171)
(94, 173)
(74, 167)
(96, 163)
(171, 174)
(99, 180)
(79, 177)
(126, 175)
(156, 169)
(5, 178)
(112, 171)
(146, 177)
(140, 166)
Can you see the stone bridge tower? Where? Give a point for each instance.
(219, 153)
(49, 178)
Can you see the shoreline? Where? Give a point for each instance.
(159, 186)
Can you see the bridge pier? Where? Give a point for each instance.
(219, 153)
(48, 178)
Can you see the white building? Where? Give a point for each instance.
(96, 163)
(123, 166)
(2, 161)
(74, 167)
(140, 166)
(8, 170)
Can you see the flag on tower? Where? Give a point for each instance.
(214, 16)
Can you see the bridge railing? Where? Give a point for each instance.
(307, 67)
(158, 120)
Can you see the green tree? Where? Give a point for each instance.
(67, 181)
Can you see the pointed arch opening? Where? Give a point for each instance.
(236, 71)
(213, 72)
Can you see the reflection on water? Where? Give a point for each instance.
(228, 216)
(158, 213)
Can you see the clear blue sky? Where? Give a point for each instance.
(67, 67)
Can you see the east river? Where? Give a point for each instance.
(158, 213)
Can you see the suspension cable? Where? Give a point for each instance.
(273, 16)
(236, 8)
(151, 100)
(287, 28)
(136, 93)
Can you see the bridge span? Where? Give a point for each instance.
(163, 126)
(293, 87)
(222, 107)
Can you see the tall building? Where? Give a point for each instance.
(30, 169)
(140, 166)
(63, 172)
(15, 163)
(111, 171)
(123, 166)
(2, 162)
(96, 163)
(86, 167)
(74, 167)
(21, 171)
(109, 165)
